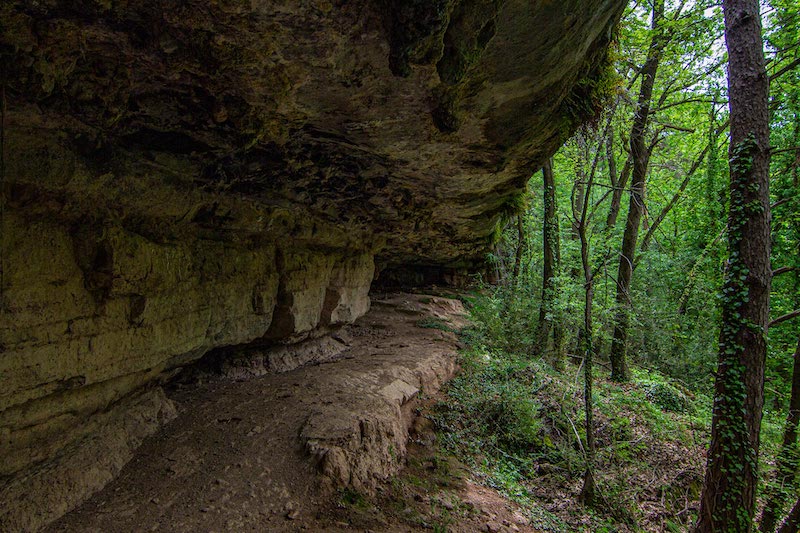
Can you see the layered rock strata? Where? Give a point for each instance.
(91, 318)
(250, 455)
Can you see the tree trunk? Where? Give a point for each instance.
(588, 492)
(728, 499)
(577, 201)
(552, 256)
(792, 522)
(520, 249)
(616, 194)
(796, 164)
(640, 155)
(788, 457)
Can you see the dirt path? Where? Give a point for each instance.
(264, 454)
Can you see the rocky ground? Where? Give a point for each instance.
(250, 452)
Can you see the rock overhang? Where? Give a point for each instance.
(181, 177)
(401, 126)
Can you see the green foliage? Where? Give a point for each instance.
(353, 498)
(516, 420)
(492, 419)
(666, 395)
(594, 92)
(497, 394)
(678, 294)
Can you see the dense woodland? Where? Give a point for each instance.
(656, 260)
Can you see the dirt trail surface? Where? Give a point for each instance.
(263, 454)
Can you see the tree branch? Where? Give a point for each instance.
(783, 201)
(786, 68)
(773, 151)
(676, 197)
(668, 126)
(784, 318)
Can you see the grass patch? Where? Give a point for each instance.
(353, 498)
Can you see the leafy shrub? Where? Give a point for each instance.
(667, 397)
(497, 396)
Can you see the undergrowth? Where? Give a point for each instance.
(518, 423)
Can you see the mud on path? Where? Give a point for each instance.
(271, 452)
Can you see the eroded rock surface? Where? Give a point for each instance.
(405, 126)
(87, 321)
(245, 455)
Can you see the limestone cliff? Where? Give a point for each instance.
(185, 176)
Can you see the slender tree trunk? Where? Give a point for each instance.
(613, 175)
(520, 248)
(588, 492)
(578, 200)
(796, 141)
(579, 222)
(616, 194)
(640, 155)
(547, 321)
(728, 500)
(788, 457)
(577, 206)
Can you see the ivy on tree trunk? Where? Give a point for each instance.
(728, 500)
(548, 336)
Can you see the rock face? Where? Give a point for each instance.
(253, 454)
(88, 321)
(185, 176)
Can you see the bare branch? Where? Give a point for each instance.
(784, 318)
(783, 201)
(676, 127)
(772, 151)
(786, 68)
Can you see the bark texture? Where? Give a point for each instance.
(728, 499)
(552, 259)
(640, 156)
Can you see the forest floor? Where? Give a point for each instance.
(518, 423)
(235, 459)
